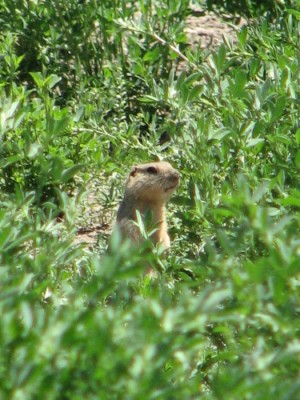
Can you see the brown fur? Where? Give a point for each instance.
(148, 187)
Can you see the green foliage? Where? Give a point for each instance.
(86, 90)
(248, 8)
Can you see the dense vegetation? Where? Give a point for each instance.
(88, 88)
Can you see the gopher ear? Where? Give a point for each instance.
(133, 171)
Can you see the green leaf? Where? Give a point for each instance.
(14, 244)
(12, 109)
(280, 139)
(148, 99)
(218, 134)
(297, 159)
(58, 126)
(5, 236)
(152, 55)
(195, 92)
(278, 108)
(294, 12)
(10, 160)
(221, 58)
(51, 81)
(42, 82)
(69, 173)
(298, 136)
(242, 35)
(79, 113)
(38, 79)
(290, 201)
(254, 142)
(239, 84)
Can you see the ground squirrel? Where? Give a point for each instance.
(148, 188)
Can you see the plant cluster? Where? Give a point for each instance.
(88, 88)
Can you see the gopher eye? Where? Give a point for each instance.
(152, 170)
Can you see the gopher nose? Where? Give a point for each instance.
(175, 176)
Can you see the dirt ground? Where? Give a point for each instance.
(207, 32)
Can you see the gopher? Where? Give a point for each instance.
(147, 189)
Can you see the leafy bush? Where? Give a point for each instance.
(248, 8)
(101, 86)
